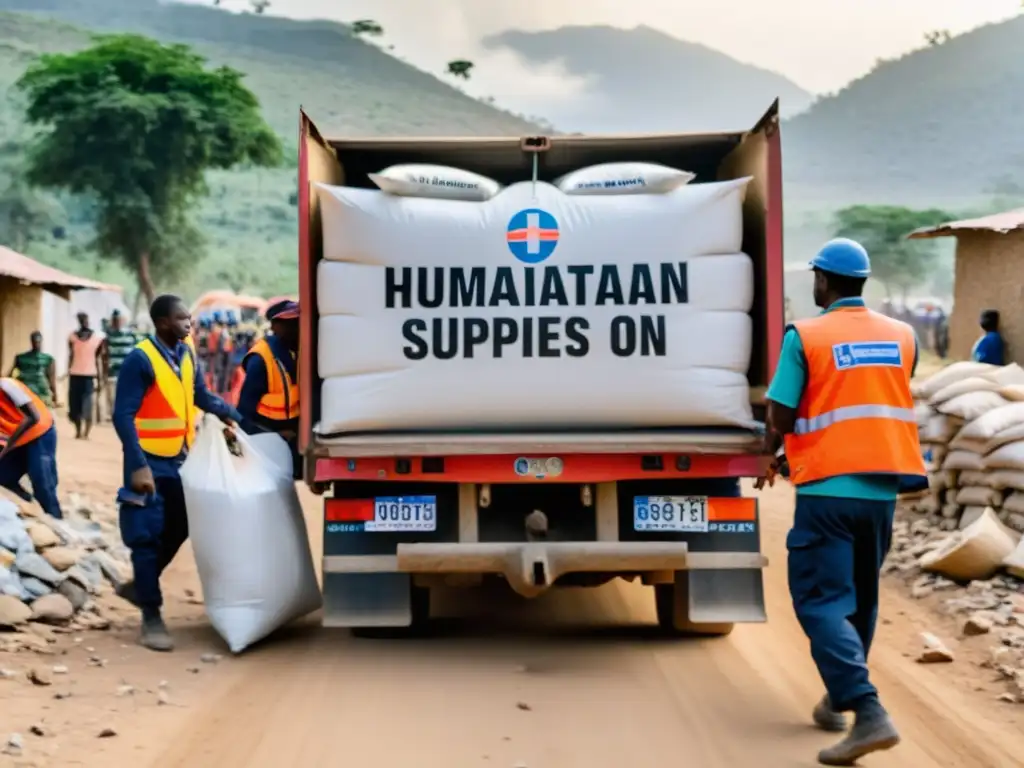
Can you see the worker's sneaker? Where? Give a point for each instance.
(873, 731)
(154, 634)
(126, 591)
(827, 718)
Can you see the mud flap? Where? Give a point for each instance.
(367, 600)
(726, 596)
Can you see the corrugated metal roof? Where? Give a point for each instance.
(20, 267)
(1001, 223)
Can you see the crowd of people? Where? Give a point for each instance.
(153, 385)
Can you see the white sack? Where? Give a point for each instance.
(962, 387)
(1009, 456)
(1009, 435)
(972, 405)
(973, 477)
(939, 428)
(1013, 393)
(388, 368)
(367, 227)
(248, 535)
(991, 423)
(439, 182)
(922, 413)
(1006, 479)
(978, 496)
(951, 373)
(623, 179)
(963, 460)
(1014, 503)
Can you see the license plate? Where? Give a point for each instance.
(403, 513)
(678, 514)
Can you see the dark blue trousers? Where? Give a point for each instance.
(38, 460)
(836, 550)
(154, 534)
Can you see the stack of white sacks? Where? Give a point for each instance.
(617, 296)
(970, 419)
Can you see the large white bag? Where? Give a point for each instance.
(623, 179)
(439, 182)
(248, 535)
(534, 310)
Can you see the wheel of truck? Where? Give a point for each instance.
(673, 606)
(420, 608)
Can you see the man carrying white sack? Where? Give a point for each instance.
(840, 403)
(158, 392)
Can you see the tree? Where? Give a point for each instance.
(259, 6)
(938, 37)
(133, 126)
(896, 262)
(460, 68)
(367, 27)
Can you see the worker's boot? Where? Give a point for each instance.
(827, 718)
(872, 731)
(154, 634)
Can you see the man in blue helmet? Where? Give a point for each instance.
(841, 423)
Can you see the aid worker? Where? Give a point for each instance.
(28, 446)
(158, 392)
(269, 396)
(840, 403)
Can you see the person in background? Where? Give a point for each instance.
(841, 405)
(37, 371)
(989, 348)
(28, 446)
(227, 348)
(268, 400)
(86, 359)
(243, 342)
(158, 392)
(941, 334)
(120, 342)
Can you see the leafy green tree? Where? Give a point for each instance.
(460, 68)
(896, 262)
(133, 126)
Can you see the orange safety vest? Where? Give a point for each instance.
(166, 421)
(11, 417)
(856, 415)
(281, 402)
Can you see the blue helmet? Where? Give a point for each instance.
(843, 257)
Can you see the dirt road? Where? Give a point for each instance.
(574, 679)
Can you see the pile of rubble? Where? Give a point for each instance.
(53, 571)
(968, 578)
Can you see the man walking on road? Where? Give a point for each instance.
(86, 359)
(37, 371)
(158, 392)
(120, 342)
(841, 404)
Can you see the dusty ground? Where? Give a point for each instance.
(573, 679)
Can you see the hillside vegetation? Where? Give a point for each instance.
(643, 80)
(349, 86)
(941, 122)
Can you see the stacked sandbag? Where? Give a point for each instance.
(535, 309)
(969, 420)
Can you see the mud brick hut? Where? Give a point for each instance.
(989, 275)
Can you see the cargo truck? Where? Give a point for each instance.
(554, 508)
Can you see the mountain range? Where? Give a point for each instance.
(644, 80)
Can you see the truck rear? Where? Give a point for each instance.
(413, 508)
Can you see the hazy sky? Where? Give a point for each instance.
(820, 44)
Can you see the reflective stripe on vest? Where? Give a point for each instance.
(281, 402)
(827, 419)
(11, 416)
(856, 415)
(167, 418)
